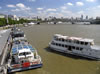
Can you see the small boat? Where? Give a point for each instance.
(74, 45)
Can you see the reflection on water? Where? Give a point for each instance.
(58, 63)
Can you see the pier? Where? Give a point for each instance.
(4, 45)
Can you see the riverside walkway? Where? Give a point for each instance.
(4, 37)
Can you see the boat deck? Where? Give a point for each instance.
(95, 47)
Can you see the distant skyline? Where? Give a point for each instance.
(45, 8)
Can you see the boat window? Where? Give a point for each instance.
(63, 40)
(77, 48)
(74, 41)
(27, 53)
(77, 42)
(66, 40)
(24, 53)
(21, 54)
(56, 44)
(56, 39)
(62, 45)
(59, 44)
(73, 47)
(59, 39)
(66, 46)
(86, 43)
(81, 48)
(69, 40)
(82, 43)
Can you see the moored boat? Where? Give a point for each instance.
(23, 56)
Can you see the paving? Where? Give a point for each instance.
(3, 39)
(4, 34)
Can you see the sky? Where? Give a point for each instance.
(46, 8)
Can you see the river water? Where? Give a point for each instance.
(57, 63)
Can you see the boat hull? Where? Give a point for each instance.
(73, 53)
(25, 68)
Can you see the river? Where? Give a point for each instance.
(57, 63)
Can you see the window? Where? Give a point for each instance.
(66, 46)
(66, 40)
(56, 39)
(63, 40)
(56, 44)
(77, 42)
(73, 47)
(81, 49)
(59, 44)
(62, 45)
(69, 40)
(59, 39)
(82, 43)
(77, 48)
(86, 43)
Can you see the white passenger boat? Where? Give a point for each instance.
(23, 57)
(77, 46)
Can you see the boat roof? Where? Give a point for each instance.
(74, 38)
(24, 50)
(19, 38)
(17, 47)
(18, 32)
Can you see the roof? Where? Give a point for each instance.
(24, 50)
(74, 38)
(20, 38)
(17, 47)
(18, 32)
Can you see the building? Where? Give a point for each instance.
(86, 18)
(81, 17)
(13, 17)
(2, 16)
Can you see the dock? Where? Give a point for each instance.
(4, 42)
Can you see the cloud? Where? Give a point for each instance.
(90, 0)
(98, 6)
(50, 9)
(70, 4)
(79, 3)
(80, 12)
(63, 7)
(20, 5)
(15, 10)
(40, 9)
(58, 15)
(10, 5)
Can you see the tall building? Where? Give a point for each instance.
(81, 17)
(86, 18)
(13, 17)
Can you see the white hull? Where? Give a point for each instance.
(77, 54)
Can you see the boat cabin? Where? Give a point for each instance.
(75, 40)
